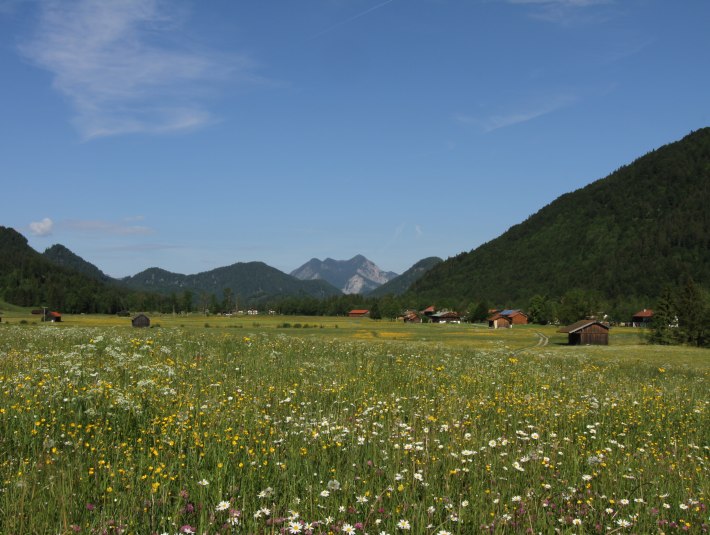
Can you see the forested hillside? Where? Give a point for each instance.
(61, 256)
(27, 278)
(626, 236)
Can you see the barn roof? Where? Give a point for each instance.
(511, 312)
(447, 314)
(645, 313)
(579, 325)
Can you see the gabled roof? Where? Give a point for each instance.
(512, 312)
(359, 311)
(579, 325)
(645, 313)
(429, 309)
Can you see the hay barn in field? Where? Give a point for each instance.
(507, 318)
(587, 332)
(141, 320)
(53, 317)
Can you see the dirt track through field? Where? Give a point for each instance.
(542, 341)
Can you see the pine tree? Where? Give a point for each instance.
(664, 325)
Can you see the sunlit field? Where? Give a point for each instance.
(257, 425)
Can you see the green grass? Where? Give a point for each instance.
(449, 428)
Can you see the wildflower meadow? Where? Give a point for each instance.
(164, 431)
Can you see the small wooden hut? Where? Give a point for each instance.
(642, 318)
(498, 321)
(587, 332)
(53, 317)
(141, 320)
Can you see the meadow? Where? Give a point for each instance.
(328, 425)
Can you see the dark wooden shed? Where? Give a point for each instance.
(587, 332)
(141, 320)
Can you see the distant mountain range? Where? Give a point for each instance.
(355, 276)
(61, 278)
(250, 282)
(625, 236)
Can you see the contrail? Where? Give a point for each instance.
(354, 17)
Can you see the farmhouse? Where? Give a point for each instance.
(505, 319)
(642, 318)
(587, 332)
(410, 316)
(141, 320)
(429, 311)
(359, 313)
(446, 316)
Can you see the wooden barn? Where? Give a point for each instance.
(359, 313)
(505, 319)
(141, 320)
(446, 316)
(497, 321)
(642, 318)
(429, 311)
(587, 332)
(410, 316)
(53, 317)
(516, 317)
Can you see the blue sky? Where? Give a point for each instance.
(192, 135)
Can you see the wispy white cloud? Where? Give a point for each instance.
(124, 67)
(42, 228)
(491, 122)
(105, 227)
(353, 18)
(561, 11)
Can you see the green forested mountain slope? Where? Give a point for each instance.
(625, 236)
(400, 284)
(61, 256)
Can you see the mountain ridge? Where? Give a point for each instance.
(358, 275)
(400, 284)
